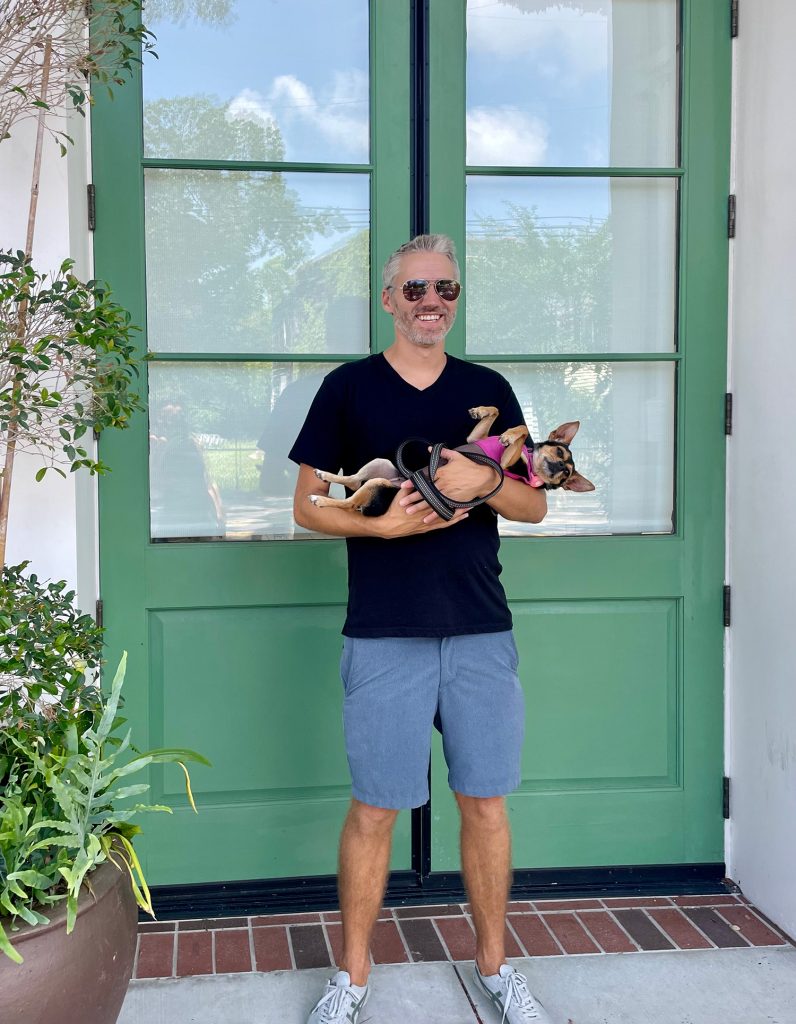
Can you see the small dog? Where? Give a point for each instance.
(546, 464)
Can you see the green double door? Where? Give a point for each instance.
(249, 186)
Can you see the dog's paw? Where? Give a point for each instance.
(511, 435)
(317, 500)
(480, 412)
(321, 475)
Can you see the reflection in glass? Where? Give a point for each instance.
(219, 436)
(625, 444)
(231, 84)
(564, 265)
(575, 83)
(242, 261)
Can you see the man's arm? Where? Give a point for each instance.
(520, 502)
(398, 521)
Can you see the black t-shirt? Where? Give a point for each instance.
(442, 583)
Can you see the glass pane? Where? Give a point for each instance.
(625, 444)
(571, 264)
(231, 84)
(219, 435)
(242, 261)
(575, 83)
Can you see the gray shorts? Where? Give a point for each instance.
(394, 687)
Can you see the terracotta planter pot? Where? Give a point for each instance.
(79, 978)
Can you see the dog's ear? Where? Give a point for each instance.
(565, 432)
(577, 482)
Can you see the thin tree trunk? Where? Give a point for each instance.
(34, 188)
(5, 487)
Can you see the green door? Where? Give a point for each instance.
(588, 188)
(250, 185)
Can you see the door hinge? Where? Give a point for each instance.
(98, 613)
(91, 196)
(733, 19)
(725, 796)
(727, 605)
(728, 413)
(731, 213)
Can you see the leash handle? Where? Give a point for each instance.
(444, 506)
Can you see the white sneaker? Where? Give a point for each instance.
(341, 1001)
(509, 994)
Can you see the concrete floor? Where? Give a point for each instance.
(717, 986)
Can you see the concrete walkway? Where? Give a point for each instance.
(727, 986)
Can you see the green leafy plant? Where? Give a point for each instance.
(63, 809)
(67, 367)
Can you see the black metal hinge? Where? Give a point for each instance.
(733, 19)
(725, 797)
(91, 196)
(728, 413)
(727, 605)
(731, 213)
(98, 613)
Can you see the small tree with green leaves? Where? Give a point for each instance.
(66, 347)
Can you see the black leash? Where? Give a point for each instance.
(423, 480)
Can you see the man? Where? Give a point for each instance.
(428, 630)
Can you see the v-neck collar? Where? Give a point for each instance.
(420, 391)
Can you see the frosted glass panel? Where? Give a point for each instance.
(572, 83)
(241, 261)
(625, 444)
(258, 80)
(219, 435)
(571, 265)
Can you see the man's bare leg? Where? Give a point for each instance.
(364, 864)
(486, 865)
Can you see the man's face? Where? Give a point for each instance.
(427, 321)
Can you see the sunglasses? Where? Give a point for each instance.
(415, 289)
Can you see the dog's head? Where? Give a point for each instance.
(552, 460)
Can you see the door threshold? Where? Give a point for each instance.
(319, 893)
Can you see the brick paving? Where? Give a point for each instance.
(278, 942)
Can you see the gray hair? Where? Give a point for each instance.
(420, 243)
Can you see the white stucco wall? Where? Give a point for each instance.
(761, 679)
(50, 523)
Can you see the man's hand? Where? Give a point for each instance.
(409, 513)
(462, 479)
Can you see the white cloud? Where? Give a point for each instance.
(338, 114)
(505, 135)
(563, 41)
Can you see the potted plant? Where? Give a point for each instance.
(70, 879)
(67, 809)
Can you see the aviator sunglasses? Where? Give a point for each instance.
(415, 289)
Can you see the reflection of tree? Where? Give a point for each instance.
(222, 246)
(542, 6)
(214, 12)
(538, 290)
(327, 309)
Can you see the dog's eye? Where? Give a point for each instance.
(559, 453)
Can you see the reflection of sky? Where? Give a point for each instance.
(346, 194)
(538, 90)
(561, 202)
(302, 62)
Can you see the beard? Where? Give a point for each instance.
(407, 323)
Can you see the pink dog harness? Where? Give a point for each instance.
(492, 447)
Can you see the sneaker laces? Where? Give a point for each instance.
(335, 1003)
(518, 993)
